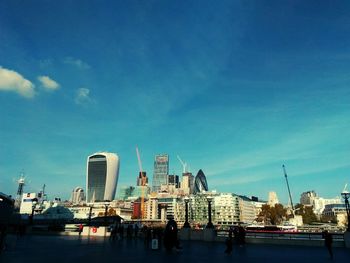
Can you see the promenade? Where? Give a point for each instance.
(66, 249)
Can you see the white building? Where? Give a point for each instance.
(29, 202)
(101, 176)
(320, 203)
(273, 199)
(78, 195)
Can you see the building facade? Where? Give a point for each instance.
(78, 195)
(101, 177)
(161, 171)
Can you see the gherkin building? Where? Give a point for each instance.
(200, 183)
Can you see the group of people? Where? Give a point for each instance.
(117, 231)
(235, 235)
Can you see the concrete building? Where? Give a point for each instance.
(101, 176)
(187, 183)
(161, 171)
(307, 198)
(227, 209)
(320, 203)
(247, 210)
(78, 195)
(273, 199)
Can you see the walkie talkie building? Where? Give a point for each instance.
(101, 177)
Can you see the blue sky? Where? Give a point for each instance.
(236, 88)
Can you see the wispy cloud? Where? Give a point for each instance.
(12, 81)
(83, 96)
(48, 83)
(76, 62)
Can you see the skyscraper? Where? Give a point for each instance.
(101, 176)
(161, 170)
(200, 183)
(78, 195)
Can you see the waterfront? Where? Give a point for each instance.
(35, 248)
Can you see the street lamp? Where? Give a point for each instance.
(90, 214)
(345, 194)
(210, 224)
(187, 224)
(106, 211)
(34, 202)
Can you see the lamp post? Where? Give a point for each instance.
(345, 194)
(210, 224)
(90, 213)
(187, 224)
(106, 211)
(34, 202)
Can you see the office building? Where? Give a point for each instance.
(101, 177)
(200, 183)
(173, 180)
(161, 171)
(187, 183)
(78, 195)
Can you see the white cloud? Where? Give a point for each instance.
(48, 83)
(12, 81)
(76, 62)
(83, 96)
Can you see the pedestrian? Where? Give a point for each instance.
(328, 240)
(229, 242)
(80, 228)
(241, 236)
(136, 230)
(170, 235)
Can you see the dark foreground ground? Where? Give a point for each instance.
(65, 249)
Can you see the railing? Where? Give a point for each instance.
(284, 235)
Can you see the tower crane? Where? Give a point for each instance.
(290, 196)
(142, 184)
(184, 165)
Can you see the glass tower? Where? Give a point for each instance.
(102, 176)
(161, 171)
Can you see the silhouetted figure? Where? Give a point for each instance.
(2, 237)
(129, 231)
(121, 231)
(241, 236)
(136, 230)
(80, 228)
(170, 235)
(114, 231)
(328, 240)
(229, 242)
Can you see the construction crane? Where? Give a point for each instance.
(184, 165)
(142, 184)
(290, 196)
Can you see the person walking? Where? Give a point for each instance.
(229, 242)
(328, 240)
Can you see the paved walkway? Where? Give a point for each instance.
(65, 249)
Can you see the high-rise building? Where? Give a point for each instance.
(200, 183)
(273, 199)
(101, 176)
(78, 195)
(173, 180)
(307, 198)
(187, 183)
(161, 171)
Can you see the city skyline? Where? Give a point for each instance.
(236, 89)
